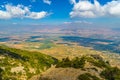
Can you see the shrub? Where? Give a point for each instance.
(64, 63)
(87, 76)
(98, 62)
(75, 63)
(78, 62)
(111, 73)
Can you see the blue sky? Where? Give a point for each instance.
(59, 11)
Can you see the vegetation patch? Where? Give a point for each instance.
(17, 64)
(87, 76)
(75, 63)
(112, 73)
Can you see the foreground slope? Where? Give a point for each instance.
(16, 64)
(90, 67)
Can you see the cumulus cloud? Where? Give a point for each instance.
(73, 1)
(86, 9)
(47, 1)
(38, 15)
(4, 15)
(20, 11)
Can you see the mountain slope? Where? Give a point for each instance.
(90, 67)
(16, 64)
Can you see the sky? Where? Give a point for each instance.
(106, 12)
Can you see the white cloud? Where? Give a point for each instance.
(20, 11)
(17, 11)
(44, 1)
(38, 15)
(4, 15)
(73, 1)
(47, 1)
(85, 8)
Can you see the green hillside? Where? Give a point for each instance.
(16, 64)
(90, 67)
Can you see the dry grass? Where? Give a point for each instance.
(66, 73)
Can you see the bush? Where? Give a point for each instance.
(75, 63)
(64, 63)
(98, 62)
(78, 62)
(111, 73)
(87, 76)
